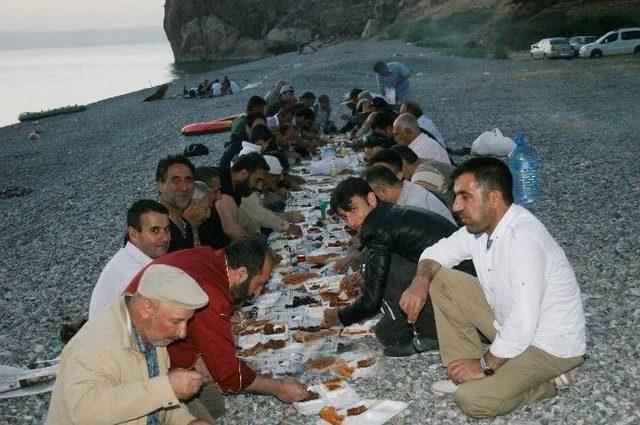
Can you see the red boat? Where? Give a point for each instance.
(219, 125)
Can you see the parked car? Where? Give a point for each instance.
(551, 48)
(618, 42)
(580, 40)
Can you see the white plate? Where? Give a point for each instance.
(378, 412)
(339, 398)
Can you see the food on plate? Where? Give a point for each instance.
(249, 324)
(311, 395)
(332, 384)
(298, 278)
(270, 329)
(303, 300)
(354, 411)
(251, 330)
(333, 299)
(343, 369)
(319, 363)
(274, 344)
(314, 230)
(354, 331)
(366, 362)
(338, 244)
(322, 259)
(331, 415)
(308, 328)
(304, 336)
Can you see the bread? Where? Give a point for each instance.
(332, 384)
(354, 411)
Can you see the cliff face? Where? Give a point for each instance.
(223, 29)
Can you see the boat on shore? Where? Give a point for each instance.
(30, 116)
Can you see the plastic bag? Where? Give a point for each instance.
(493, 143)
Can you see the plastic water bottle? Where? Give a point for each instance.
(333, 169)
(522, 162)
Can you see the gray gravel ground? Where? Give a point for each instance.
(581, 117)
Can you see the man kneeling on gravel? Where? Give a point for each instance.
(394, 237)
(229, 276)
(526, 300)
(114, 370)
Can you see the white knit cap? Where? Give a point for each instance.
(274, 164)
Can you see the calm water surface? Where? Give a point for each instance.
(37, 79)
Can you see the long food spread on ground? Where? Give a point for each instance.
(281, 333)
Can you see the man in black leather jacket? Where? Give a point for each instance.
(394, 238)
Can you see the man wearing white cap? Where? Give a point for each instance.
(253, 215)
(285, 97)
(115, 369)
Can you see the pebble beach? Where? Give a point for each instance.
(580, 117)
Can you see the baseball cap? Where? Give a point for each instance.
(172, 285)
(286, 88)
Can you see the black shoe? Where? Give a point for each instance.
(405, 349)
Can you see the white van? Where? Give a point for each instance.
(618, 42)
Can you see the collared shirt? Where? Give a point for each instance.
(181, 236)
(528, 282)
(428, 125)
(413, 195)
(150, 357)
(427, 148)
(115, 276)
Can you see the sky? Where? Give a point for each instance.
(65, 15)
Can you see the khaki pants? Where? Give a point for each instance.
(461, 310)
(209, 404)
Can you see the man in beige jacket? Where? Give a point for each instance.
(115, 369)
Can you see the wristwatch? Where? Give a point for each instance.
(485, 367)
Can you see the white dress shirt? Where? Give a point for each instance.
(115, 277)
(414, 195)
(427, 148)
(528, 282)
(428, 125)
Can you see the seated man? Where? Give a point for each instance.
(407, 132)
(309, 141)
(114, 370)
(256, 104)
(389, 188)
(435, 176)
(308, 98)
(526, 300)
(147, 237)
(281, 95)
(199, 209)
(382, 123)
(394, 237)
(426, 125)
(228, 276)
(174, 179)
(210, 231)
(253, 215)
(246, 175)
(233, 147)
(374, 143)
(322, 112)
(352, 119)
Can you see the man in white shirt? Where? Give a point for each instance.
(526, 300)
(389, 188)
(423, 121)
(406, 131)
(147, 237)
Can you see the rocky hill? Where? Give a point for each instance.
(223, 29)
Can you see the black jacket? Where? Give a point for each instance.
(387, 230)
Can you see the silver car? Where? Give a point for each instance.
(580, 40)
(552, 48)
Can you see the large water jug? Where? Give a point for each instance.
(522, 162)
